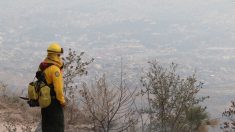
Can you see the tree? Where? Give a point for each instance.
(170, 98)
(108, 108)
(229, 124)
(74, 67)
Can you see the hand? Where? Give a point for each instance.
(63, 105)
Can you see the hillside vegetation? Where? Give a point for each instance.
(166, 102)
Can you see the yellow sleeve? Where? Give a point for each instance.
(57, 80)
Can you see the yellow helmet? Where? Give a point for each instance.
(55, 48)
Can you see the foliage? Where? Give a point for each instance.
(229, 124)
(108, 108)
(195, 117)
(170, 98)
(74, 67)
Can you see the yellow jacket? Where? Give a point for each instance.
(53, 75)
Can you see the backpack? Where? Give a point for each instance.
(39, 92)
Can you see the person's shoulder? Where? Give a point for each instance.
(54, 68)
(54, 71)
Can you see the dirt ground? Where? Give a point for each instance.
(15, 116)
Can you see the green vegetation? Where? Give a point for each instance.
(173, 104)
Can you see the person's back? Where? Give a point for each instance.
(53, 116)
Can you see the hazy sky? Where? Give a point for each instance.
(199, 34)
(27, 19)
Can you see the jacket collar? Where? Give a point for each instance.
(54, 59)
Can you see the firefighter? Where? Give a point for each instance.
(53, 115)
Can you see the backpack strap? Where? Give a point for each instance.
(40, 75)
(43, 66)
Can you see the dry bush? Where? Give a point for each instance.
(73, 115)
(74, 67)
(108, 108)
(228, 114)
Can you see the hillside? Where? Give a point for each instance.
(15, 116)
(198, 35)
